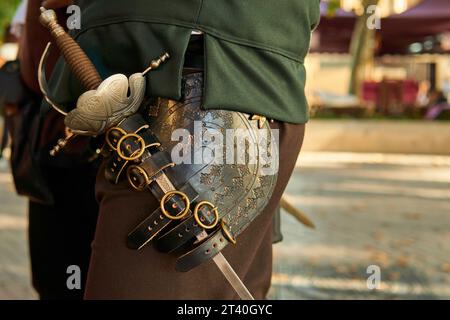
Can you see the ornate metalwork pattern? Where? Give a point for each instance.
(100, 109)
(239, 190)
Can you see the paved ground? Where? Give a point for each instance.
(14, 262)
(369, 209)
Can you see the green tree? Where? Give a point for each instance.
(7, 9)
(362, 46)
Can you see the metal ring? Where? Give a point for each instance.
(134, 156)
(108, 141)
(141, 171)
(227, 233)
(145, 126)
(147, 178)
(154, 144)
(169, 165)
(186, 202)
(213, 209)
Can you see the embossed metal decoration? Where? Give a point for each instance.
(102, 108)
(239, 191)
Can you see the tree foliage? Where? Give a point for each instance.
(7, 10)
(333, 5)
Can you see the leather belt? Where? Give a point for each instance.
(182, 216)
(203, 252)
(157, 221)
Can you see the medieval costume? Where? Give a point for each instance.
(161, 224)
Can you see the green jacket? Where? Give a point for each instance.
(254, 50)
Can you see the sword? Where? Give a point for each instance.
(84, 70)
(219, 259)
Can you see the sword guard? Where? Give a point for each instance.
(62, 143)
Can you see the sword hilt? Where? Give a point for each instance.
(75, 57)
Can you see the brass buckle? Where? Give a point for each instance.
(213, 209)
(184, 197)
(227, 232)
(107, 138)
(135, 155)
(141, 171)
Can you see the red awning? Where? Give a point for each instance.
(429, 18)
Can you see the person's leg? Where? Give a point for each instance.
(117, 272)
(60, 235)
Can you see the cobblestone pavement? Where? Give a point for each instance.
(14, 262)
(369, 209)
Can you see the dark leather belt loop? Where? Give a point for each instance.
(147, 230)
(203, 252)
(152, 165)
(128, 147)
(178, 236)
(114, 168)
(149, 138)
(185, 231)
(153, 224)
(133, 123)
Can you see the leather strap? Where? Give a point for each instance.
(175, 234)
(186, 230)
(179, 235)
(116, 164)
(204, 251)
(114, 168)
(169, 233)
(154, 164)
(133, 123)
(157, 221)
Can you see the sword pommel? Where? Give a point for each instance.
(49, 20)
(47, 16)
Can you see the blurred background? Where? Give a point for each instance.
(374, 172)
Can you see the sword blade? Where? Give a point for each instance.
(234, 280)
(229, 273)
(221, 262)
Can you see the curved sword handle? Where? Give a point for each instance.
(75, 57)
